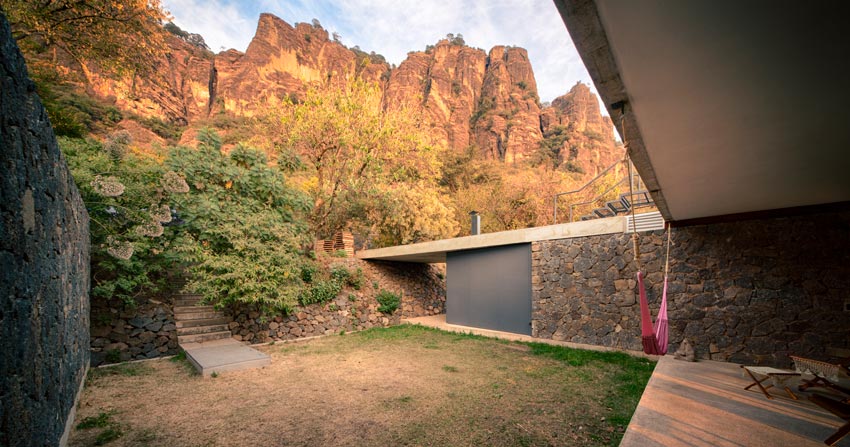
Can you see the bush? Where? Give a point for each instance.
(356, 280)
(388, 301)
(321, 291)
(340, 274)
(131, 231)
(308, 272)
(339, 254)
(244, 226)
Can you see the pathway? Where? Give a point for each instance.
(203, 334)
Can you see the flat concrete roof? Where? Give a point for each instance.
(435, 251)
(731, 107)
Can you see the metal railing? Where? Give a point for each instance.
(631, 177)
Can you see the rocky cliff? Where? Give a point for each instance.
(469, 98)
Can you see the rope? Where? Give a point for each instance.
(667, 260)
(635, 245)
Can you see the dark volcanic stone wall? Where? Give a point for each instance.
(750, 291)
(120, 333)
(44, 267)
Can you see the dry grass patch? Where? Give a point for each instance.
(406, 385)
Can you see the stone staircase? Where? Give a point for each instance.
(622, 205)
(196, 323)
(203, 334)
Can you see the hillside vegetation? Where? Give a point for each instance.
(193, 164)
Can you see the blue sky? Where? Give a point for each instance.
(394, 27)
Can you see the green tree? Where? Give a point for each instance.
(119, 35)
(353, 152)
(244, 229)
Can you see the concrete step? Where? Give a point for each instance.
(201, 329)
(223, 356)
(200, 338)
(201, 322)
(186, 301)
(197, 315)
(192, 309)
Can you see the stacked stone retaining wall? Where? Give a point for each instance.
(120, 333)
(751, 291)
(421, 286)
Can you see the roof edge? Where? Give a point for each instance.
(582, 20)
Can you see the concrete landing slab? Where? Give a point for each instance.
(226, 355)
(705, 404)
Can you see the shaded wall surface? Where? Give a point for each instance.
(750, 291)
(490, 288)
(44, 267)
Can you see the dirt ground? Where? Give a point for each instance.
(405, 385)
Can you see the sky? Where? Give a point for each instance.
(395, 27)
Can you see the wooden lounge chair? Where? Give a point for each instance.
(839, 409)
(776, 376)
(825, 375)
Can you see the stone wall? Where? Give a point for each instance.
(749, 291)
(44, 267)
(421, 286)
(120, 333)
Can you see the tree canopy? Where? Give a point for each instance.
(119, 34)
(358, 159)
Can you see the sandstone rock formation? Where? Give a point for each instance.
(468, 98)
(590, 146)
(446, 81)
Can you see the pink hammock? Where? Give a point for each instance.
(655, 335)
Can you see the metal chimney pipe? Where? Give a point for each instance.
(476, 222)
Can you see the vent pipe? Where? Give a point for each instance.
(476, 222)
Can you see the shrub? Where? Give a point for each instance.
(321, 291)
(340, 274)
(388, 301)
(131, 218)
(308, 272)
(244, 226)
(356, 280)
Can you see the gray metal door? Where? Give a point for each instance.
(490, 288)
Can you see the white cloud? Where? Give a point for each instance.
(395, 27)
(221, 23)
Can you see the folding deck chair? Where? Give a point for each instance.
(825, 375)
(778, 377)
(837, 408)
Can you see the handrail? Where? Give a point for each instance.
(573, 205)
(590, 181)
(556, 196)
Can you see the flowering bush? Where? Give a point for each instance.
(128, 206)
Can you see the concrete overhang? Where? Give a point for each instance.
(731, 107)
(435, 251)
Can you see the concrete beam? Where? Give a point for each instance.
(582, 20)
(435, 251)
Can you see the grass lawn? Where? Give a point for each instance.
(404, 385)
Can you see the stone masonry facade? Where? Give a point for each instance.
(44, 267)
(750, 291)
(148, 330)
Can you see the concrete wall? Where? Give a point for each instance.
(749, 291)
(44, 268)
